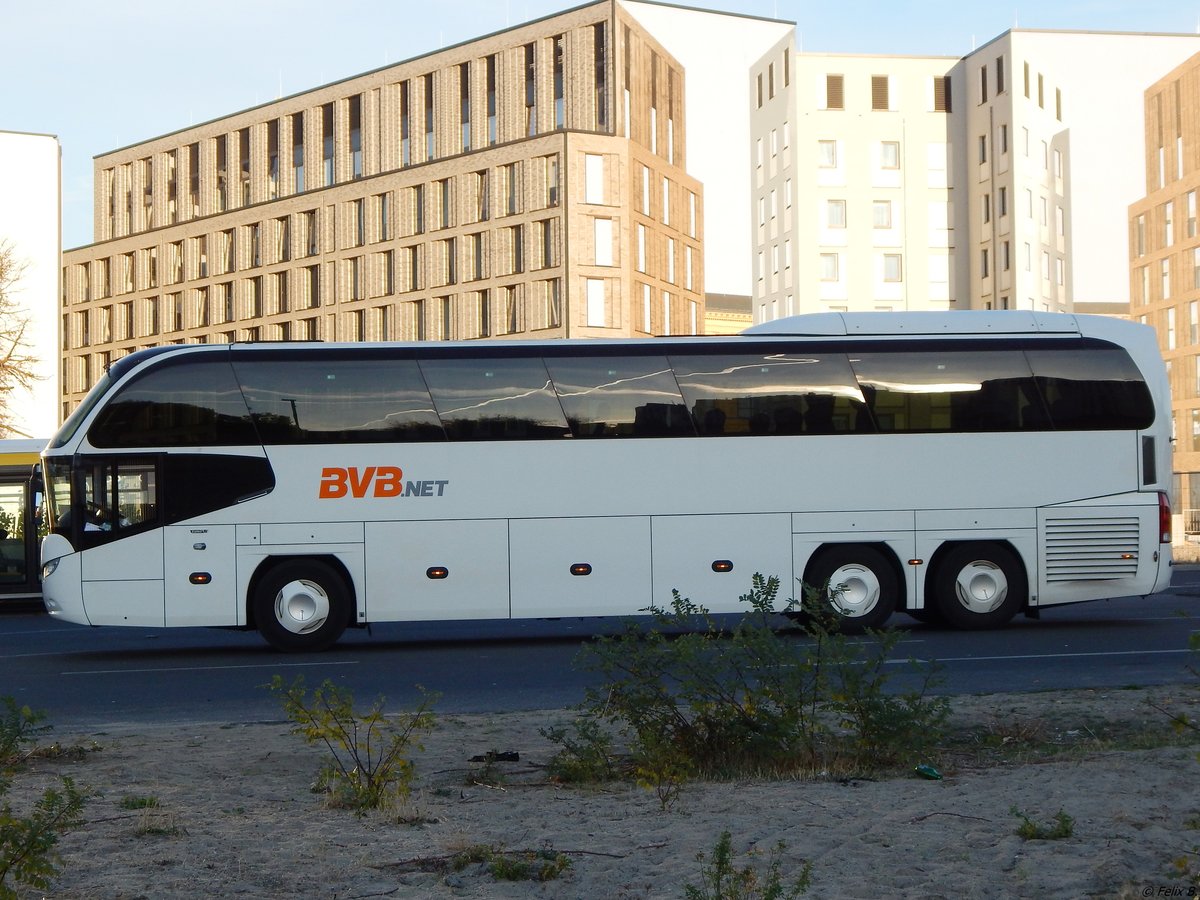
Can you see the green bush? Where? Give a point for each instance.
(586, 752)
(722, 880)
(1063, 826)
(762, 696)
(19, 725)
(543, 864)
(368, 768)
(27, 842)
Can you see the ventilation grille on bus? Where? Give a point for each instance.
(1091, 549)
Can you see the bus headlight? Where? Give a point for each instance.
(49, 567)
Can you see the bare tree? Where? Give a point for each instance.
(17, 364)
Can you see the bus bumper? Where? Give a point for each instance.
(62, 582)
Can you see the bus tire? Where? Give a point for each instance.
(979, 585)
(301, 605)
(857, 583)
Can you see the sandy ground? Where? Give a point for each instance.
(236, 817)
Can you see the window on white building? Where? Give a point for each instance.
(835, 213)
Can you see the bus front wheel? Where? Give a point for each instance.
(857, 583)
(301, 605)
(979, 585)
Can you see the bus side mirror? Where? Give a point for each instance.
(36, 483)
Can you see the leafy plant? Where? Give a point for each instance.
(586, 752)
(1063, 826)
(131, 802)
(722, 701)
(368, 766)
(543, 864)
(19, 725)
(721, 879)
(27, 842)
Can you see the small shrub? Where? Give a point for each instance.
(717, 701)
(27, 854)
(658, 767)
(368, 768)
(131, 802)
(1063, 826)
(586, 752)
(721, 879)
(27, 842)
(544, 864)
(19, 725)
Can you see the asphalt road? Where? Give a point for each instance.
(92, 678)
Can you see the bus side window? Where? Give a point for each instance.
(295, 401)
(776, 394)
(951, 390)
(120, 497)
(196, 403)
(1092, 389)
(495, 399)
(626, 396)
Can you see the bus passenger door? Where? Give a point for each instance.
(200, 569)
(122, 563)
(18, 537)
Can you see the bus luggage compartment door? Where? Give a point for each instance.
(426, 571)
(710, 559)
(580, 567)
(200, 564)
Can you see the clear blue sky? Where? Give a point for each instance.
(104, 75)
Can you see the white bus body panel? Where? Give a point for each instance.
(1093, 552)
(685, 548)
(398, 555)
(543, 551)
(123, 581)
(192, 550)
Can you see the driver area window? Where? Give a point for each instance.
(119, 498)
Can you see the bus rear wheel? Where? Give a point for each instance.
(857, 583)
(979, 585)
(301, 605)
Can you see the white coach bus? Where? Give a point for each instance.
(961, 467)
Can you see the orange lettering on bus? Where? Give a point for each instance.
(388, 481)
(338, 482)
(333, 484)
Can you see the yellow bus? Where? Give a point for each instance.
(20, 519)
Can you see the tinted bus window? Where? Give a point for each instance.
(200, 483)
(322, 400)
(494, 399)
(775, 394)
(950, 391)
(1093, 389)
(620, 396)
(189, 404)
(120, 497)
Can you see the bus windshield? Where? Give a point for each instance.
(101, 388)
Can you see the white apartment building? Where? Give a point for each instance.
(996, 181)
(716, 50)
(30, 204)
(852, 184)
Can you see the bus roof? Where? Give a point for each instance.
(21, 451)
(922, 323)
(884, 325)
